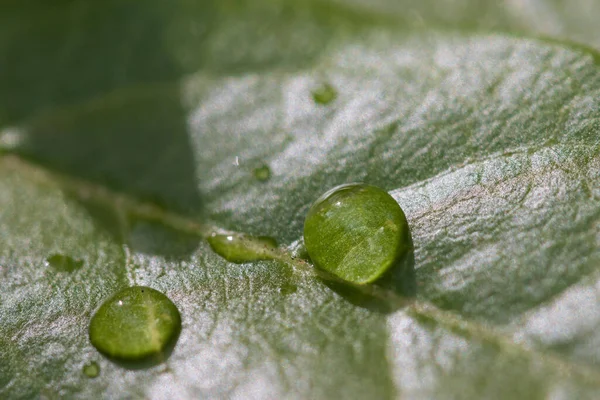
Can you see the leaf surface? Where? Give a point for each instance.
(489, 142)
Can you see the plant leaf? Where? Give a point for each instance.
(490, 143)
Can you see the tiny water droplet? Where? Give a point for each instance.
(64, 263)
(287, 289)
(239, 249)
(91, 369)
(136, 325)
(262, 173)
(324, 94)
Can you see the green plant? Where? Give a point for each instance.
(131, 133)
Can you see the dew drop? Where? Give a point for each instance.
(357, 232)
(138, 326)
(324, 94)
(91, 369)
(262, 173)
(64, 263)
(239, 249)
(288, 289)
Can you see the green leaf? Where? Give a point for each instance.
(127, 144)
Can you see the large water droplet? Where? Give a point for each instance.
(324, 94)
(262, 173)
(91, 369)
(356, 232)
(239, 248)
(138, 326)
(64, 263)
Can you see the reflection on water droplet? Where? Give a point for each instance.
(91, 369)
(287, 289)
(262, 173)
(64, 263)
(136, 325)
(240, 249)
(324, 94)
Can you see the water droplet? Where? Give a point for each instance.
(91, 369)
(356, 232)
(136, 325)
(287, 289)
(64, 263)
(240, 249)
(262, 173)
(324, 94)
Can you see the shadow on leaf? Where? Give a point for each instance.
(134, 142)
(400, 280)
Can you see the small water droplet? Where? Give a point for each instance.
(91, 369)
(262, 173)
(136, 325)
(324, 94)
(287, 289)
(240, 249)
(64, 263)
